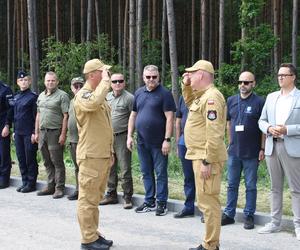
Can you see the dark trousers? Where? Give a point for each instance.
(52, 153)
(189, 180)
(122, 160)
(73, 147)
(5, 160)
(26, 153)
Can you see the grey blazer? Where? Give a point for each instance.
(267, 119)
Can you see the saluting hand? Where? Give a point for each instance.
(186, 79)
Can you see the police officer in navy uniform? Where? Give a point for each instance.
(24, 126)
(6, 110)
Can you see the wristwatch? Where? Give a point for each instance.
(168, 139)
(205, 163)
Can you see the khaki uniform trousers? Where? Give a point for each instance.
(207, 193)
(92, 178)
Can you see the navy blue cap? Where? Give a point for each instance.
(21, 74)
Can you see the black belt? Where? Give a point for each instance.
(49, 129)
(278, 139)
(116, 134)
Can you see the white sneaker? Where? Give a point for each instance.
(269, 228)
(297, 231)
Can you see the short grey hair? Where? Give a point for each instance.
(151, 68)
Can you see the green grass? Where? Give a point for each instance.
(176, 182)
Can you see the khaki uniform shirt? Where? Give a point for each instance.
(121, 107)
(205, 126)
(72, 126)
(52, 108)
(94, 122)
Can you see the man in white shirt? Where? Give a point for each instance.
(280, 121)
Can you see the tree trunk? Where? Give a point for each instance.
(173, 49)
(125, 38)
(89, 21)
(203, 30)
(275, 30)
(72, 21)
(193, 32)
(82, 20)
(221, 33)
(48, 19)
(8, 20)
(33, 45)
(119, 33)
(131, 44)
(154, 20)
(22, 35)
(163, 42)
(295, 32)
(57, 16)
(139, 64)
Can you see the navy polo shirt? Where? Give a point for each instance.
(245, 144)
(182, 112)
(6, 102)
(25, 112)
(150, 121)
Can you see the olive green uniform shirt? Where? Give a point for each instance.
(52, 109)
(94, 122)
(121, 107)
(72, 125)
(205, 126)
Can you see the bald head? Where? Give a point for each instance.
(246, 83)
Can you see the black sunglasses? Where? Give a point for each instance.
(245, 82)
(149, 77)
(117, 81)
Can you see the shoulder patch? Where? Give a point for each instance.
(212, 115)
(86, 95)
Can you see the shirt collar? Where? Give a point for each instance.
(292, 93)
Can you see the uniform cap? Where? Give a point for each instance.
(21, 74)
(202, 65)
(77, 80)
(94, 64)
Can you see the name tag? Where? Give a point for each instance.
(239, 128)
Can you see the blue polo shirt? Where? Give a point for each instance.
(6, 105)
(182, 112)
(24, 112)
(244, 144)
(150, 121)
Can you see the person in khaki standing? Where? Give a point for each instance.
(204, 137)
(121, 102)
(76, 85)
(94, 150)
(50, 133)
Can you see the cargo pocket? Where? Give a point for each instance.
(213, 184)
(87, 178)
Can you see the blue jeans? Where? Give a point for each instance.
(235, 166)
(189, 180)
(152, 160)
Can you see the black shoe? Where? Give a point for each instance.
(94, 246)
(46, 191)
(145, 207)
(183, 214)
(28, 189)
(2, 186)
(73, 196)
(161, 209)
(20, 188)
(226, 220)
(104, 241)
(249, 222)
(201, 248)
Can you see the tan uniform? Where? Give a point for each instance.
(204, 137)
(94, 151)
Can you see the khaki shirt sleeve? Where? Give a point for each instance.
(187, 94)
(215, 113)
(89, 101)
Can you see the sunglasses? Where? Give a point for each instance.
(245, 82)
(117, 81)
(149, 77)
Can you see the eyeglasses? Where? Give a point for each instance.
(117, 81)
(246, 83)
(149, 77)
(284, 75)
